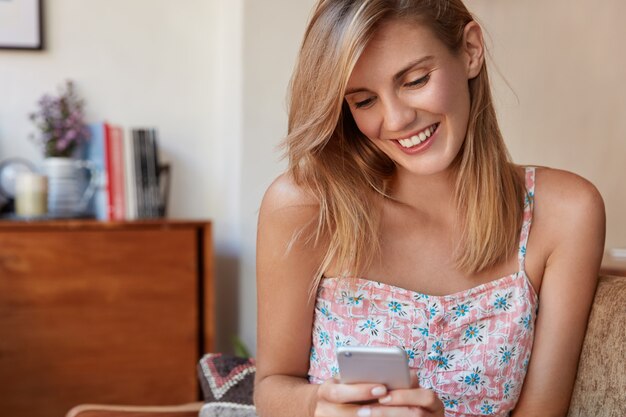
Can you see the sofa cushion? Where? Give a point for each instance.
(217, 409)
(601, 380)
(228, 384)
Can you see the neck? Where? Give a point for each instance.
(432, 195)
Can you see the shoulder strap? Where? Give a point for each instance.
(529, 202)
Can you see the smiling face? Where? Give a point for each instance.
(409, 94)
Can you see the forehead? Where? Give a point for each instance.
(393, 45)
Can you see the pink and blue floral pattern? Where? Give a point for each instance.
(472, 347)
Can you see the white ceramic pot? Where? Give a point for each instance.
(66, 197)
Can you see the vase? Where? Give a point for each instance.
(67, 195)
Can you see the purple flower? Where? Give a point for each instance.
(60, 121)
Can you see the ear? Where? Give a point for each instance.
(473, 49)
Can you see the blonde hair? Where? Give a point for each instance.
(347, 174)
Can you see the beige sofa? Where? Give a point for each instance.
(600, 389)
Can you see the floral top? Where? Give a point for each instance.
(472, 347)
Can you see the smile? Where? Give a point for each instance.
(419, 137)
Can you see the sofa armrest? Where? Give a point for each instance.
(95, 410)
(601, 380)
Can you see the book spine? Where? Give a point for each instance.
(130, 187)
(156, 191)
(138, 173)
(116, 173)
(96, 153)
(151, 170)
(108, 163)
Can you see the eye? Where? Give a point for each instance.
(364, 103)
(418, 82)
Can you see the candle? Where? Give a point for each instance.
(31, 194)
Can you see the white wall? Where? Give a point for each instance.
(273, 32)
(566, 104)
(175, 65)
(139, 62)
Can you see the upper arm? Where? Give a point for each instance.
(574, 214)
(285, 271)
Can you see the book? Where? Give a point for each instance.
(146, 171)
(115, 170)
(152, 180)
(130, 186)
(142, 174)
(95, 151)
(105, 151)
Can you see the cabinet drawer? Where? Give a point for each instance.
(97, 316)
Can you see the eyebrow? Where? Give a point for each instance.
(397, 76)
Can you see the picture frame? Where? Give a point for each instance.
(21, 24)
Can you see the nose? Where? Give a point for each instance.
(398, 115)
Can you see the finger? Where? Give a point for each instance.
(420, 397)
(328, 409)
(397, 411)
(336, 392)
(414, 379)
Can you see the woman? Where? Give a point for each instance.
(401, 221)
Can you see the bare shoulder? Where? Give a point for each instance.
(568, 206)
(287, 210)
(565, 193)
(284, 193)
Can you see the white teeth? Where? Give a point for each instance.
(419, 138)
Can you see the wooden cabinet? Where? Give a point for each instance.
(94, 312)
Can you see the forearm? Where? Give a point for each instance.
(285, 396)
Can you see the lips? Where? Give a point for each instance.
(419, 137)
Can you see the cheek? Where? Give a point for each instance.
(447, 96)
(367, 123)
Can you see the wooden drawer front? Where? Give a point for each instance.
(97, 317)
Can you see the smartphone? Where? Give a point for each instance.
(370, 364)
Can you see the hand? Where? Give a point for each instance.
(340, 400)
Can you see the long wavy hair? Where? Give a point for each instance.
(348, 175)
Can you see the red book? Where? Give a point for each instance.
(114, 159)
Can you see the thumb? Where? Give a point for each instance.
(414, 379)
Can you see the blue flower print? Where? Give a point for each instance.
(506, 354)
(325, 311)
(525, 321)
(529, 198)
(371, 326)
(355, 300)
(334, 371)
(443, 362)
(419, 296)
(473, 379)
(508, 386)
(433, 310)
(473, 332)
(449, 402)
(341, 342)
(461, 310)
(437, 348)
(487, 408)
(410, 353)
(314, 357)
(396, 307)
(421, 330)
(522, 250)
(502, 301)
(324, 338)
